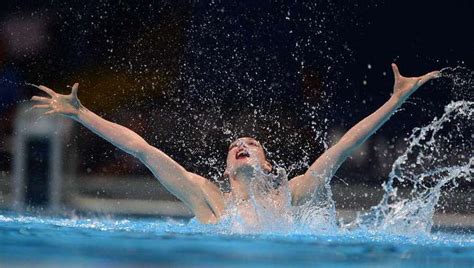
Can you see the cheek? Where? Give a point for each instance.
(229, 156)
(259, 154)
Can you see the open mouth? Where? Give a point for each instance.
(241, 154)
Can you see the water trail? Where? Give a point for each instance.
(461, 80)
(7, 81)
(439, 155)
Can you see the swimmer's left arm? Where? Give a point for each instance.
(304, 186)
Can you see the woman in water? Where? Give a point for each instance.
(245, 158)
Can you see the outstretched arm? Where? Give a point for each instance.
(199, 194)
(304, 186)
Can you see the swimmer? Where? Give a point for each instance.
(245, 158)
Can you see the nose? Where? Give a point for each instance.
(241, 144)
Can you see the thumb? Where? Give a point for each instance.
(74, 90)
(396, 72)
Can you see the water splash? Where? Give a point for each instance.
(267, 210)
(9, 82)
(461, 80)
(438, 156)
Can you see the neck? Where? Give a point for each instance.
(240, 183)
(240, 186)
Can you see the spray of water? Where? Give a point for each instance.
(268, 208)
(438, 157)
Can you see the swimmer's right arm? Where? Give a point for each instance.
(199, 194)
(303, 187)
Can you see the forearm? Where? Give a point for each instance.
(359, 133)
(120, 136)
(192, 189)
(303, 187)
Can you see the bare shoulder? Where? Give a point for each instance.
(212, 193)
(204, 183)
(295, 184)
(295, 180)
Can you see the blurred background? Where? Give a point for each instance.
(191, 76)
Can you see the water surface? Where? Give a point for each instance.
(105, 242)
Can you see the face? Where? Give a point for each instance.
(246, 152)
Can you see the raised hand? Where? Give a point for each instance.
(403, 87)
(67, 105)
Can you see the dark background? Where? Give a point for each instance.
(190, 76)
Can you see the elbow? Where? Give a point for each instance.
(139, 149)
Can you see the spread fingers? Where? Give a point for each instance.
(49, 91)
(41, 106)
(40, 99)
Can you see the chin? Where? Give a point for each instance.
(245, 166)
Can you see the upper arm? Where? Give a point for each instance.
(199, 194)
(304, 187)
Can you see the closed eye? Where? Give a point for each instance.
(253, 143)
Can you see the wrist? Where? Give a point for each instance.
(397, 98)
(76, 115)
(395, 101)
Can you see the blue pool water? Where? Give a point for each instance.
(108, 242)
